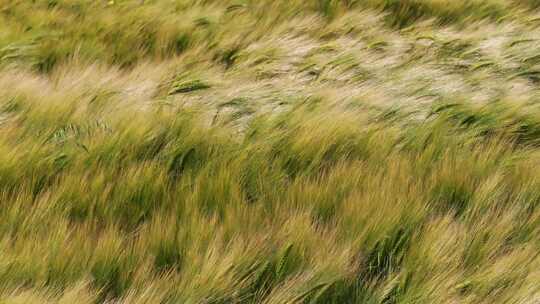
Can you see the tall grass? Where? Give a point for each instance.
(269, 152)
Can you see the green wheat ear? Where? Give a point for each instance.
(188, 86)
(283, 261)
(313, 294)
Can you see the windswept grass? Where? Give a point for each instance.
(269, 152)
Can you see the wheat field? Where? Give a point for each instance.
(270, 151)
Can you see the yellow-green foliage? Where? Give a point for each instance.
(190, 151)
